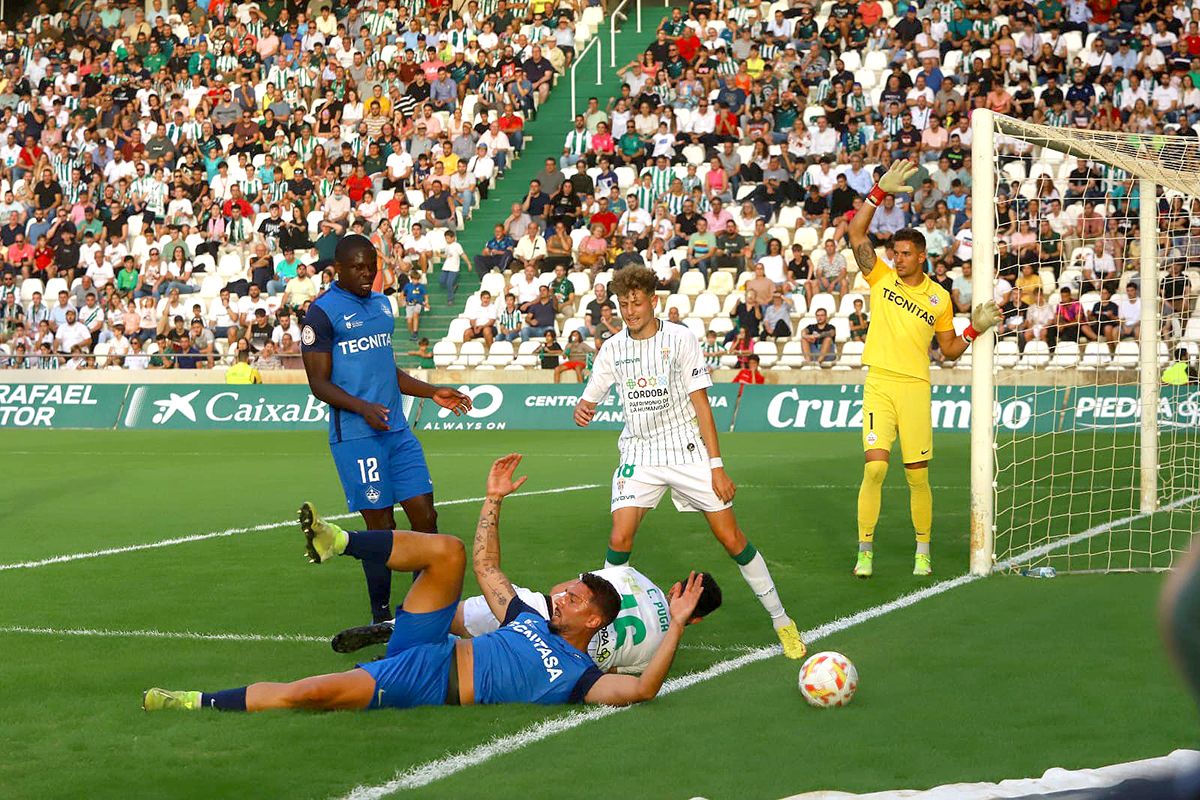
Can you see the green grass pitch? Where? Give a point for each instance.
(1003, 677)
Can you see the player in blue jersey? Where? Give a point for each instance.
(529, 659)
(347, 351)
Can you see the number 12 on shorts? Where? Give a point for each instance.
(368, 469)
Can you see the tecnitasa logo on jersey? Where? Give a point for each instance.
(485, 401)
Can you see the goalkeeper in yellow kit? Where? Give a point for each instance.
(907, 311)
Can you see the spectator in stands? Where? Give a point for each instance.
(577, 356)
(531, 249)
(830, 270)
(607, 326)
(510, 320)
(497, 253)
(452, 260)
(777, 316)
(859, 322)
(751, 372)
(1129, 311)
(747, 316)
(1039, 319)
(416, 302)
(1068, 318)
(539, 315)
(818, 338)
(549, 351)
(483, 323)
(962, 290)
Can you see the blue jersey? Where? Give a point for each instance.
(523, 662)
(358, 331)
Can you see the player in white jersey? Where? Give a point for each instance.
(627, 645)
(670, 438)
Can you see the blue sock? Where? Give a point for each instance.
(374, 548)
(369, 546)
(226, 700)
(379, 589)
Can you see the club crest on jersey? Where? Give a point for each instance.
(933, 300)
(387, 309)
(372, 494)
(666, 353)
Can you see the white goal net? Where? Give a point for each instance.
(1090, 242)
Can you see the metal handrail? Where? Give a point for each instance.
(599, 70)
(612, 31)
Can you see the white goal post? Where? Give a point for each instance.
(1054, 481)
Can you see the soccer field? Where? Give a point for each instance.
(976, 680)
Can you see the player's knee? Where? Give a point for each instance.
(917, 476)
(450, 551)
(875, 472)
(621, 540)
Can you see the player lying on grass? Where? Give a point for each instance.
(670, 438)
(627, 645)
(908, 310)
(529, 659)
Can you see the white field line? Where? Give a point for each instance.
(153, 634)
(266, 526)
(109, 633)
(444, 767)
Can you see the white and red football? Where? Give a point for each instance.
(828, 679)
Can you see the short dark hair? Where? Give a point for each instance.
(913, 236)
(710, 595)
(354, 247)
(634, 279)
(604, 596)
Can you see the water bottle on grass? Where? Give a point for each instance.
(1039, 572)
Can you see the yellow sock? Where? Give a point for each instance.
(869, 496)
(920, 498)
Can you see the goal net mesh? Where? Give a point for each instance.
(1070, 489)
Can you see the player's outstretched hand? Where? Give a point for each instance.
(723, 485)
(985, 316)
(683, 599)
(456, 401)
(584, 411)
(895, 180)
(500, 481)
(376, 415)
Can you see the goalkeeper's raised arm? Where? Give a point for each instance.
(894, 181)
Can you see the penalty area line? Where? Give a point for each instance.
(266, 526)
(432, 771)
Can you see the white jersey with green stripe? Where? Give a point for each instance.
(654, 378)
(627, 645)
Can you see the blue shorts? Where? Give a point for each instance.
(416, 667)
(381, 471)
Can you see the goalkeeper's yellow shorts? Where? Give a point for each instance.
(895, 404)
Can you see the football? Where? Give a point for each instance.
(828, 679)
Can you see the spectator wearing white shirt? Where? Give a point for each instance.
(1129, 311)
(823, 141)
(72, 333)
(526, 284)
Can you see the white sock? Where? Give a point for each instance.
(757, 575)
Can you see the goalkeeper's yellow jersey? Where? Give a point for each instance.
(903, 321)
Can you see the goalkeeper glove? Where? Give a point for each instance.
(894, 181)
(985, 316)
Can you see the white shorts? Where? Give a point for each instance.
(478, 618)
(642, 487)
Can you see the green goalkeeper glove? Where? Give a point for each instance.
(985, 316)
(895, 180)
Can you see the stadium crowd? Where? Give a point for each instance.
(746, 136)
(174, 177)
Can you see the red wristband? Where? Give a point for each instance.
(969, 333)
(876, 195)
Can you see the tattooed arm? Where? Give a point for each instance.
(497, 588)
(860, 242)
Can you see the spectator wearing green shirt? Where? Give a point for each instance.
(285, 270)
(701, 248)
(563, 291)
(630, 147)
(128, 277)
